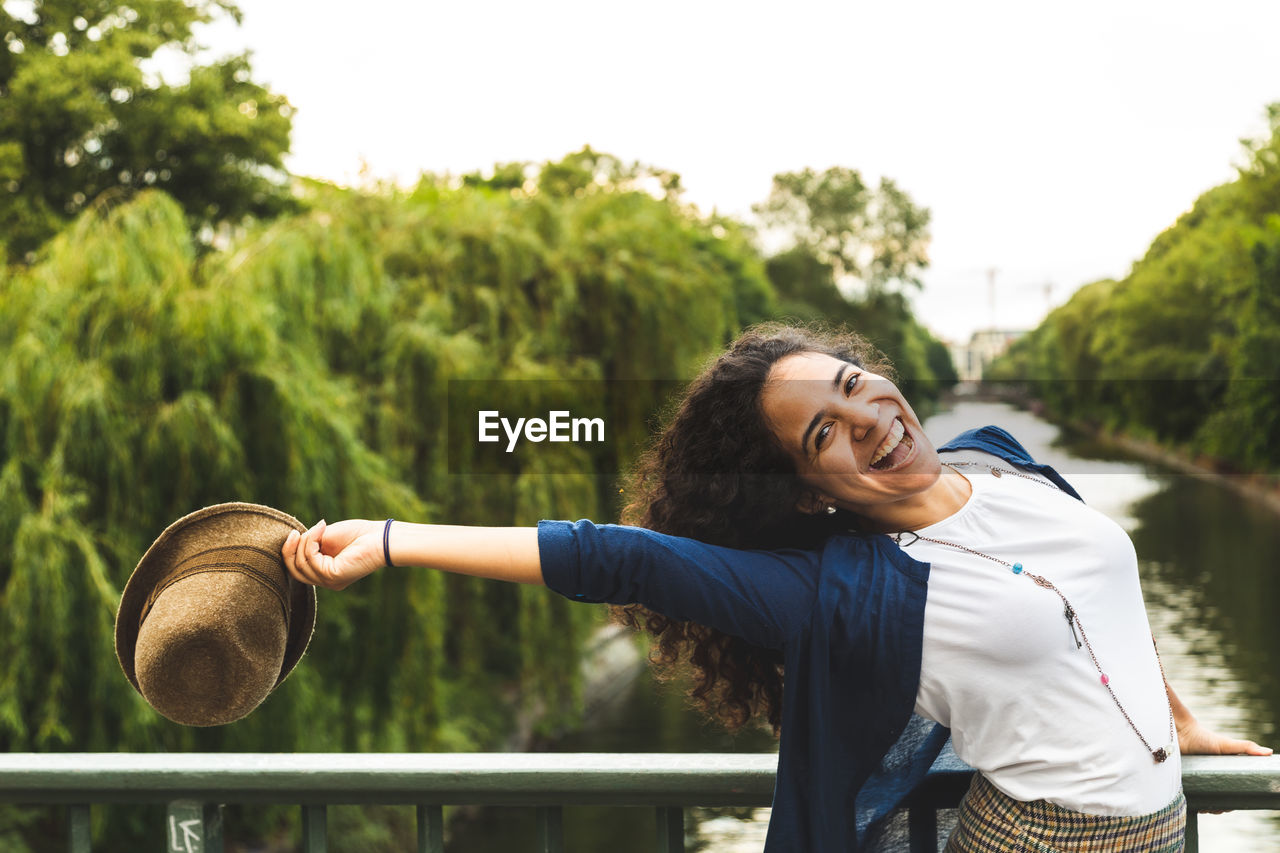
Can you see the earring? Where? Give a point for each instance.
(831, 510)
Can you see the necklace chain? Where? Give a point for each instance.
(997, 471)
(1069, 612)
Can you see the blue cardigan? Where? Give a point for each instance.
(849, 621)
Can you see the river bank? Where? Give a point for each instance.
(1263, 488)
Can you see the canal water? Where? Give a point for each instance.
(1211, 580)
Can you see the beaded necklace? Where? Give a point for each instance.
(1068, 612)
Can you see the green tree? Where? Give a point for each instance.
(841, 228)
(589, 171)
(308, 367)
(806, 285)
(578, 174)
(1260, 176)
(878, 236)
(1184, 349)
(1243, 429)
(80, 116)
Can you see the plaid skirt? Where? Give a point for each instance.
(990, 821)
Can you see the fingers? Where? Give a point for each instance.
(292, 558)
(1235, 746)
(289, 553)
(1195, 739)
(302, 557)
(1248, 747)
(333, 557)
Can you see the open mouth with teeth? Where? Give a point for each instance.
(895, 448)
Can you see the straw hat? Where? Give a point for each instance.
(210, 621)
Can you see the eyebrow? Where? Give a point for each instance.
(817, 419)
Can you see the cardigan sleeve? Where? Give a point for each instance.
(764, 597)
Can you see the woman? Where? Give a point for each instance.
(801, 542)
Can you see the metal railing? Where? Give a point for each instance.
(193, 785)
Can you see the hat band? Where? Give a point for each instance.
(258, 563)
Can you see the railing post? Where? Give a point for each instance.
(670, 829)
(1192, 836)
(81, 838)
(550, 829)
(315, 833)
(430, 829)
(194, 827)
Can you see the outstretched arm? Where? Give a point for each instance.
(762, 596)
(337, 555)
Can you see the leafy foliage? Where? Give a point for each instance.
(878, 237)
(844, 234)
(306, 367)
(1185, 348)
(79, 116)
(807, 291)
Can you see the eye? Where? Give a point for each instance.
(851, 382)
(821, 438)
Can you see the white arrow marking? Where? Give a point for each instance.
(189, 835)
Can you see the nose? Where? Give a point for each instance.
(863, 418)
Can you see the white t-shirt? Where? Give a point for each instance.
(1025, 706)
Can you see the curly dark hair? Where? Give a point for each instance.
(717, 473)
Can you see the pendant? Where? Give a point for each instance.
(1160, 755)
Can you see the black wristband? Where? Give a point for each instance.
(386, 543)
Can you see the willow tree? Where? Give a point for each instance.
(308, 367)
(132, 393)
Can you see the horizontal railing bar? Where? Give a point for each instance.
(530, 779)
(1209, 781)
(539, 779)
(1231, 781)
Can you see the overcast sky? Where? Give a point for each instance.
(1051, 142)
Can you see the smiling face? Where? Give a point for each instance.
(854, 439)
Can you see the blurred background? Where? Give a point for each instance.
(248, 248)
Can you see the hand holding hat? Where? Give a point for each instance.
(210, 621)
(337, 555)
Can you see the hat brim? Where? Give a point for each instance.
(270, 528)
